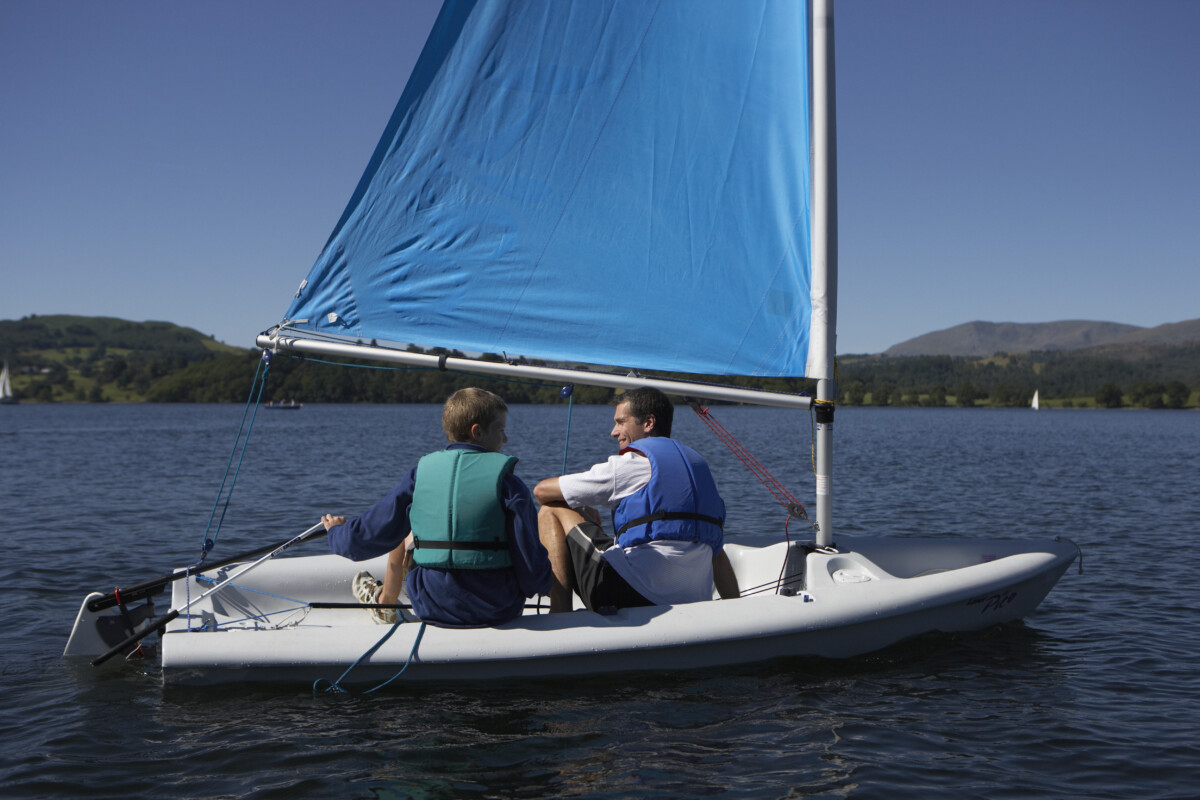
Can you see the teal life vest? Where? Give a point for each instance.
(457, 518)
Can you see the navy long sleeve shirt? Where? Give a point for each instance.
(456, 598)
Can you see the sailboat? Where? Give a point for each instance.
(6, 393)
(1034, 405)
(621, 183)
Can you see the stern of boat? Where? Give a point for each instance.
(96, 631)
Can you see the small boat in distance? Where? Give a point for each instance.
(1034, 405)
(6, 393)
(290, 405)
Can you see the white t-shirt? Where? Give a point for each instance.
(664, 572)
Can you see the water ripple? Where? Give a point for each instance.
(1095, 695)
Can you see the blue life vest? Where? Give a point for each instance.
(680, 503)
(457, 518)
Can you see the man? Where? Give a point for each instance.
(667, 517)
(473, 533)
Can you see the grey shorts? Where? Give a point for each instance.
(599, 585)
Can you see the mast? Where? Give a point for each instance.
(824, 255)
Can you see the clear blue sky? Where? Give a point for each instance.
(1016, 161)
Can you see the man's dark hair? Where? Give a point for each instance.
(645, 402)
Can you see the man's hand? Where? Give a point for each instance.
(590, 514)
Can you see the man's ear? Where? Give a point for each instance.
(648, 423)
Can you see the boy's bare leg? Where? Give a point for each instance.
(553, 523)
(398, 564)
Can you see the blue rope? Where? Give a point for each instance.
(264, 366)
(568, 392)
(336, 686)
(312, 360)
(207, 544)
(411, 653)
(213, 581)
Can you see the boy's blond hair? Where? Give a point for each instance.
(467, 407)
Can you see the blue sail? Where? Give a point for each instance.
(622, 183)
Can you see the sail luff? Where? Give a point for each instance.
(822, 349)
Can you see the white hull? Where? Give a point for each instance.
(873, 593)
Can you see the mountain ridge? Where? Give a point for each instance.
(979, 339)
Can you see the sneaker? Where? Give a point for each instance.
(366, 591)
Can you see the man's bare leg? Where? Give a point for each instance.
(724, 577)
(553, 523)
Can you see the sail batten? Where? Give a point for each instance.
(606, 183)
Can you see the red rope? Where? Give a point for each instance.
(774, 486)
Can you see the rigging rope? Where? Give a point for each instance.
(568, 392)
(780, 492)
(254, 399)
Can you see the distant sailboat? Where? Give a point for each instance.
(6, 393)
(1034, 405)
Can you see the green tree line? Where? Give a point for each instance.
(97, 359)
(1163, 380)
(306, 380)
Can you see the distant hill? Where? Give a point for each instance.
(1173, 333)
(71, 359)
(64, 357)
(59, 331)
(984, 339)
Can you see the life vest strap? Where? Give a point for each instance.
(459, 545)
(660, 515)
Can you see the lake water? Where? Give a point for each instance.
(1096, 695)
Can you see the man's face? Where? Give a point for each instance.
(493, 436)
(626, 429)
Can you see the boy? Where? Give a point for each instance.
(462, 519)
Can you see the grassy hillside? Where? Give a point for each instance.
(63, 358)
